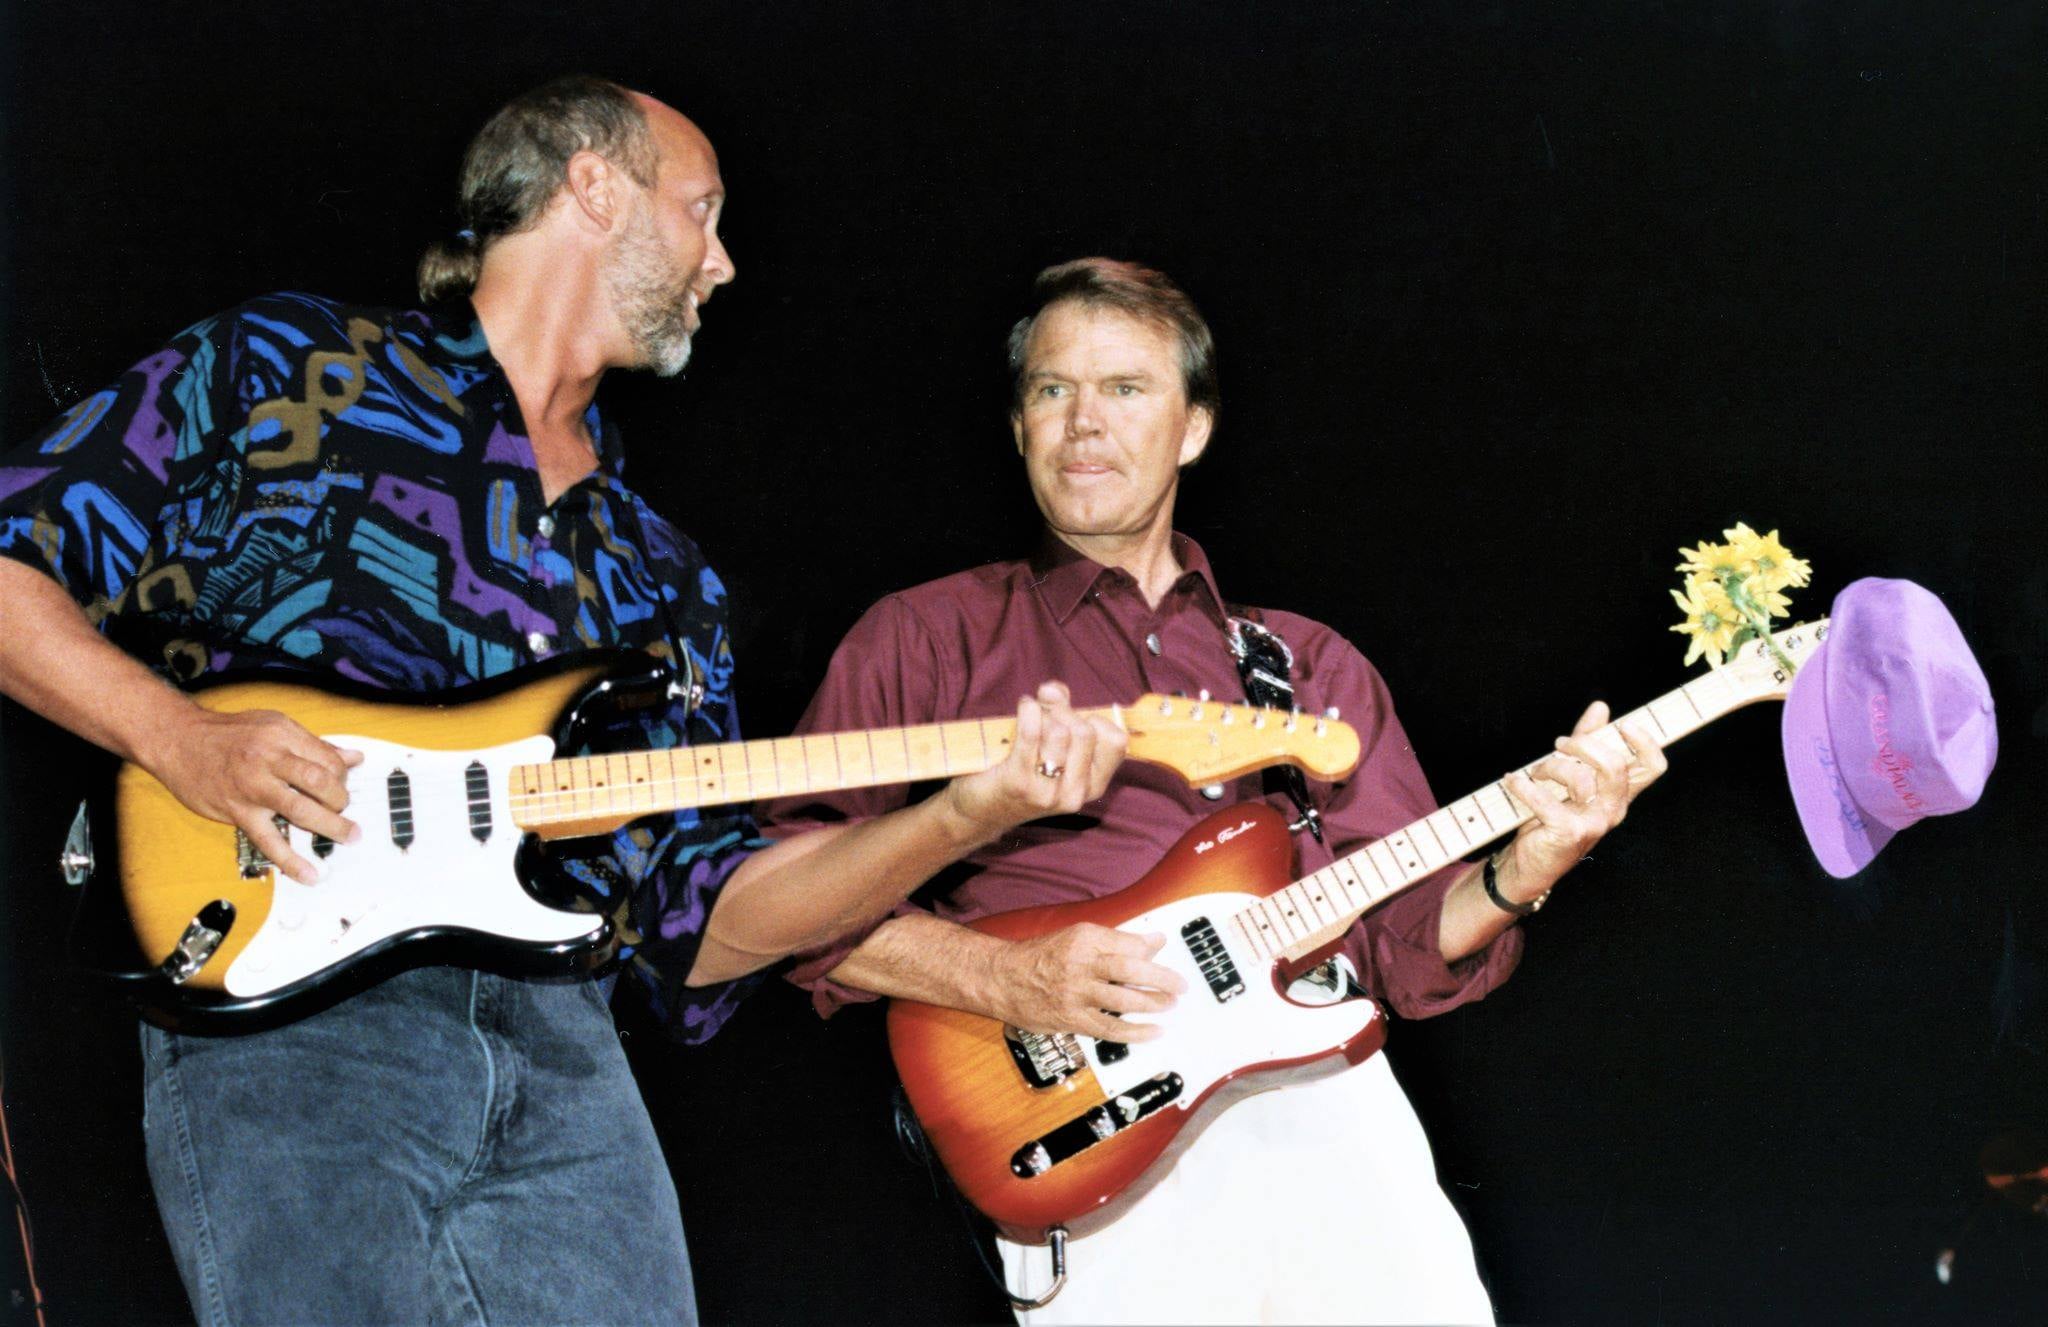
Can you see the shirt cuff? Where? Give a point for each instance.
(1399, 951)
(812, 968)
(671, 917)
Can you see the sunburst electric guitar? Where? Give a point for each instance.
(1061, 1132)
(457, 797)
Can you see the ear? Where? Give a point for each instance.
(1017, 428)
(1194, 440)
(596, 195)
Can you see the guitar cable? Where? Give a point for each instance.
(916, 1148)
(28, 1243)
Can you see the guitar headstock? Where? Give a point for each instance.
(1757, 671)
(1206, 741)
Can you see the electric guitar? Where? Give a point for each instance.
(1046, 1132)
(457, 798)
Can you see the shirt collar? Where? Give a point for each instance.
(455, 341)
(1064, 576)
(455, 335)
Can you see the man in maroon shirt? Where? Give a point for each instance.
(1115, 391)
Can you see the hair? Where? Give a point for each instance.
(1138, 292)
(520, 158)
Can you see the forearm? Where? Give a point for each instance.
(1471, 921)
(52, 661)
(806, 891)
(921, 957)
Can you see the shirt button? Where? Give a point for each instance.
(546, 526)
(538, 643)
(1152, 642)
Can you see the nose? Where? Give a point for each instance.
(1084, 419)
(718, 265)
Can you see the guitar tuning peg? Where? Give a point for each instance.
(1322, 727)
(1293, 719)
(1259, 717)
(1165, 707)
(1229, 714)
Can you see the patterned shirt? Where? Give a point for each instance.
(306, 485)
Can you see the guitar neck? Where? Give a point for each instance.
(596, 794)
(1293, 923)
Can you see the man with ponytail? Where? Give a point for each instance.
(416, 500)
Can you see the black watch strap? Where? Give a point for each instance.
(1489, 878)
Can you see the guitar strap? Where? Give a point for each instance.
(1266, 665)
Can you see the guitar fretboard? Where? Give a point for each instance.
(1296, 921)
(582, 794)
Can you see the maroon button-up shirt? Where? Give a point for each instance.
(970, 645)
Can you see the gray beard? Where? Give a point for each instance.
(651, 303)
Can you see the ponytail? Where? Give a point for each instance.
(450, 268)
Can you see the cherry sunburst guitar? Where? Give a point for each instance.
(457, 796)
(1062, 1132)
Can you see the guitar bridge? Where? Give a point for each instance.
(1044, 1058)
(251, 860)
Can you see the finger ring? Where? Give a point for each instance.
(1050, 770)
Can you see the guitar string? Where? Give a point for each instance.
(548, 801)
(692, 787)
(695, 785)
(1251, 917)
(543, 797)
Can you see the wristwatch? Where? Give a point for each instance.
(1489, 878)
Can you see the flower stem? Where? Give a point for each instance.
(1759, 620)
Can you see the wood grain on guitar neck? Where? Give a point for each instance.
(1206, 741)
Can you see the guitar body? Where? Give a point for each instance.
(439, 872)
(1023, 1138)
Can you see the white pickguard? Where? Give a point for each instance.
(373, 889)
(1204, 1040)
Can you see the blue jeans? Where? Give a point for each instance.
(448, 1146)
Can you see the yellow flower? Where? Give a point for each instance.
(1709, 561)
(1710, 620)
(1768, 562)
(1772, 601)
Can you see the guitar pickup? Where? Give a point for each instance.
(398, 795)
(477, 784)
(1213, 959)
(1094, 1126)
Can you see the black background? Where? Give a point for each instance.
(1513, 301)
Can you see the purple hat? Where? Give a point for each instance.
(1890, 720)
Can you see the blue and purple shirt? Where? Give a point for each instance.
(306, 485)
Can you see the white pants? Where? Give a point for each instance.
(1315, 1203)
